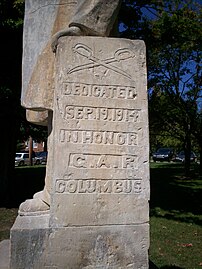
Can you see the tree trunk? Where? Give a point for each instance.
(30, 151)
(187, 151)
(45, 146)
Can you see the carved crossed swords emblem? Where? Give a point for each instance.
(85, 51)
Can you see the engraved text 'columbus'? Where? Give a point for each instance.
(98, 186)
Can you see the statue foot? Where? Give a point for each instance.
(33, 207)
(43, 195)
(39, 195)
(70, 31)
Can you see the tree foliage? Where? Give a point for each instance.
(174, 74)
(172, 31)
(11, 14)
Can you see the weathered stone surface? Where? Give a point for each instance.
(4, 254)
(38, 58)
(29, 238)
(100, 247)
(101, 165)
(37, 246)
(42, 20)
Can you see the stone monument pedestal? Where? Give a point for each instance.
(29, 238)
(99, 212)
(35, 245)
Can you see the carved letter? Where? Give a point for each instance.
(71, 186)
(60, 186)
(132, 139)
(103, 161)
(69, 112)
(118, 186)
(127, 186)
(97, 137)
(79, 161)
(87, 137)
(121, 139)
(91, 186)
(67, 88)
(108, 137)
(129, 162)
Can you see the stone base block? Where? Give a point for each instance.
(29, 237)
(4, 254)
(86, 247)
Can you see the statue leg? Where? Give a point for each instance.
(40, 204)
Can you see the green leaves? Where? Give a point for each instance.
(11, 13)
(174, 70)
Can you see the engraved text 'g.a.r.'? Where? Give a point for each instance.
(102, 161)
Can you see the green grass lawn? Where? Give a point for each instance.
(7, 218)
(176, 217)
(175, 244)
(175, 209)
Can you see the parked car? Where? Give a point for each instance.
(41, 157)
(36, 161)
(180, 157)
(163, 154)
(22, 158)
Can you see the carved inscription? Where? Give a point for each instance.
(97, 137)
(100, 91)
(85, 51)
(99, 161)
(98, 186)
(101, 113)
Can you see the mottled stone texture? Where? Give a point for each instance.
(29, 240)
(43, 19)
(100, 183)
(88, 247)
(101, 167)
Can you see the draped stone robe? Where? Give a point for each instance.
(44, 18)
